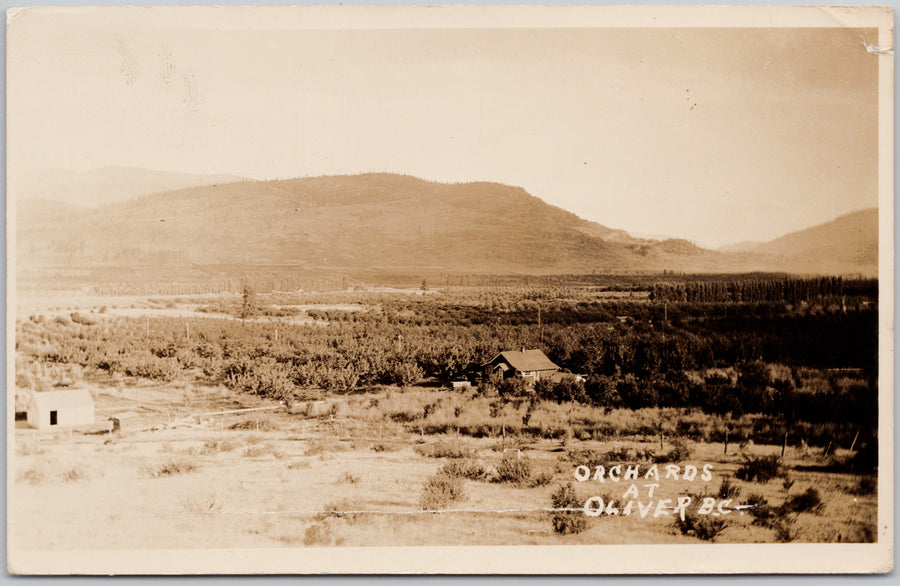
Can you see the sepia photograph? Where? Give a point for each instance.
(460, 289)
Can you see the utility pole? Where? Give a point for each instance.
(540, 327)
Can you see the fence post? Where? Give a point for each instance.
(856, 437)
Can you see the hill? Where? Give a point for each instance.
(360, 221)
(396, 222)
(107, 185)
(852, 238)
(848, 243)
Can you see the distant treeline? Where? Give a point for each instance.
(763, 290)
(152, 279)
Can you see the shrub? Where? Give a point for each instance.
(865, 486)
(257, 424)
(784, 531)
(152, 367)
(211, 447)
(589, 458)
(341, 510)
(170, 468)
(82, 319)
(758, 507)
(513, 471)
(29, 449)
(567, 515)
(513, 387)
(33, 475)
(620, 454)
(383, 447)
(348, 478)
(679, 452)
(258, 451)
(464, 468)
(761, 469)
(321, 533)
(728, 490)
(205, 502)
(787, 482)
(542, 479)
(440, 491)
(72, 474)
(443, 450)
(705, 527)
(805, 502)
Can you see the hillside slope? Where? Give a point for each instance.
(849, 238)
(360, 221)
(387, 221)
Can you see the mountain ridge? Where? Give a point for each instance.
(372, 220)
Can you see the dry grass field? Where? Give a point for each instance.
(282, 479)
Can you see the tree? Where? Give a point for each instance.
(567, 390)
(248, 303)
(514, 387)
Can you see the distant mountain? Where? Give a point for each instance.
(851, 238)
(107, 185)
(360, 221)
(846, 244)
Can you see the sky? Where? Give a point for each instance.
(717, 135)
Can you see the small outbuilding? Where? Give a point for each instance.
(126, 422)
(52, 409)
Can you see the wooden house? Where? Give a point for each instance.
(530, 365)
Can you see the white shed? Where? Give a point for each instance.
(52, 409)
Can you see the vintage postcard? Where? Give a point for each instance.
(460, 289)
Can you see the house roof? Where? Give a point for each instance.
(63, 399)
(527, 360)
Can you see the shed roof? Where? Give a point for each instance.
(63, 399)
(527, 360)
